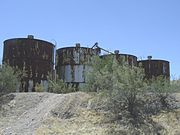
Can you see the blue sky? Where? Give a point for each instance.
(138, 27)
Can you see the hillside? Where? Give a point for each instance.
(67, 114)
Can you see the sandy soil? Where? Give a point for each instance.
(64, 114)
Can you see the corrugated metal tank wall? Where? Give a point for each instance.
(72, 63)
(131, 60)
(33, 56)
(155, 68)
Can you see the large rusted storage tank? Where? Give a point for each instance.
(155, 68)
(71, 63)
(131, 60)
(34, 56)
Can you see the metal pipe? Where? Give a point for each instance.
(96, 45)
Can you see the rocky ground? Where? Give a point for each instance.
(67, 114)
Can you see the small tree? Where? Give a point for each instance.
(129, 88)
(8, 79)
(122, 84)
(99, 77)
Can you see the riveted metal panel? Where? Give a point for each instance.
(33, 56)
(155, 68)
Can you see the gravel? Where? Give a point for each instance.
(23, 113)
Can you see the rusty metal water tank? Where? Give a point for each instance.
(34, 56)
(71, 63)
(155, 68)
(131, 60)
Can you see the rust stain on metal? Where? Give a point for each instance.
(131, 60)
(36, 58)
(155, 68)
(33, 56)
(72, 63)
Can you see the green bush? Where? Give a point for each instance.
(39, 88)
(8, 79)
(162, 89)
(122, 84)
(123, 91)
(126, 89)
(58, 86)
(175, 84)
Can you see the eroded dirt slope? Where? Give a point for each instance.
(65, 114)
(23, 113)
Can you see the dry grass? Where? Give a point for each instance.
(87, 123)
(170, 121)
(70, 114)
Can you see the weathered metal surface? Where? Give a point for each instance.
(155, 68)
(131, 60)
(33, 56)
(73, 73)
(74, 55)
(72, 63)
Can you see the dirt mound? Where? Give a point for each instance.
(65, 114)
(23, 113)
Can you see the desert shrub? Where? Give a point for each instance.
(130, 98)
(126, 89)
(58, 86)
(8, 79)
(122, 84)
(161, 88)
(129, 89)
(39, 88)
(161, 97)
(175, 85)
